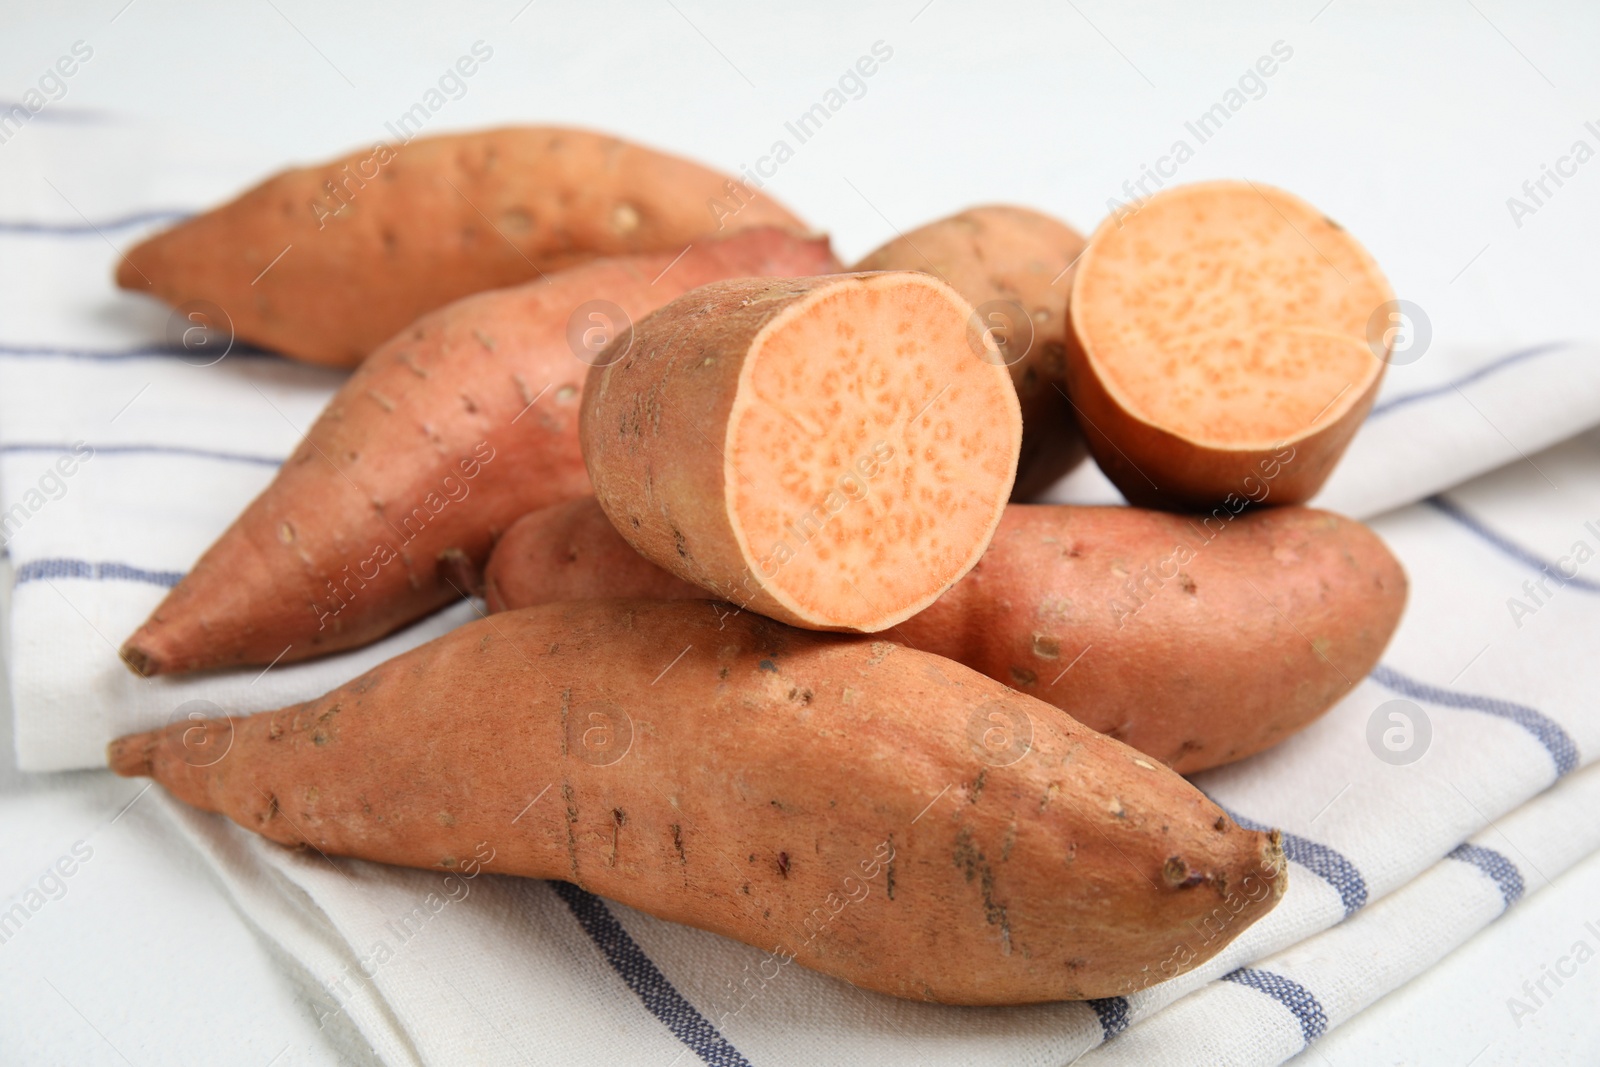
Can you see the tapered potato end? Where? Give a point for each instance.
(132, 756)
(1219, 346)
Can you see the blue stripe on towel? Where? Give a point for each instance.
(1324, 862)
(92, 229)
(1563, 750)
(1501, 870)
(1291, 994)
(1407, 399)
(152, 450)
(646, 979)
(1114, 1015)
(1454, 511)
(36, 570)
(137, 352)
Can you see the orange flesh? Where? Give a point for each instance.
(870, 451)
(1229, 314)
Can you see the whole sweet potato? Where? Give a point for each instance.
(461, 423)
(873, 812)
(324, 263)
(832, 452)
(1198, 641)
(1220, 331)
(1014, 265)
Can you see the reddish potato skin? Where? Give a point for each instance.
(375, 239)
(571, 551)
(1003, 252)
(1156, 468)
(722, 770)
(434, 446)
(1194, 649)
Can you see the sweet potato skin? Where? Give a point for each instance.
(434, 446)
(379, 237)
(1001, 252)
(1156, 468)
(831, 798)
(1198, 641)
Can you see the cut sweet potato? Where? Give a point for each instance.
(833, 452)
(1014, 265)
(325, 263)
(876, 813)
(1197, 640)
(436, 444)
(1219, 330)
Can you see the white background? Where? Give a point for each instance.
(1412, 129)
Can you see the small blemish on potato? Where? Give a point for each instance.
(566, 393)
(1023, 676)
(444, 818)
(624, 218)
(286, 533)
(1046, 647)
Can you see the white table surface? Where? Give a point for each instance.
(1413, 129)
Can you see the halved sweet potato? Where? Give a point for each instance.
(1219, 332)
(833, 452)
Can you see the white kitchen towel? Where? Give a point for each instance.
(1494, 656)
(1281, 1004)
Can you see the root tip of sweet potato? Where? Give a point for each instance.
(1275, 862)
(129, 276)
(130, 756)
(140, 661)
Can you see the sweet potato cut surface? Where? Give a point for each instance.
(1215, 326)
(876, 813)
(1197, 640)
(1014, 265)
(833, 452)
(325, 263)
(438, 442)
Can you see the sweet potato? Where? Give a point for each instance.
(832, 452)
(1218, 331)
(1014, 265)
(437, 443)
(873, 812)
(325, 263)
(1198, 641)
